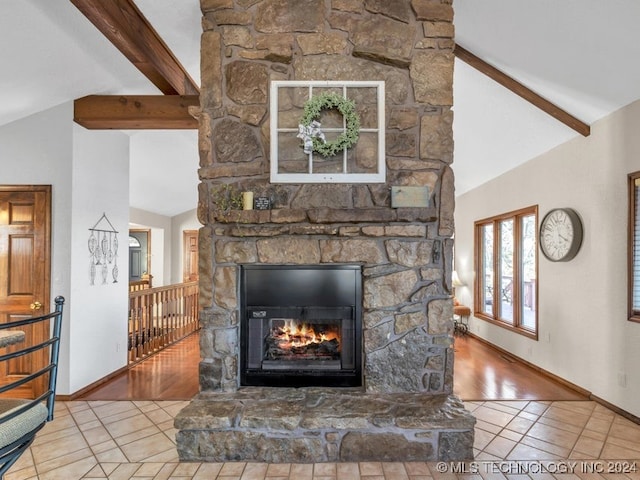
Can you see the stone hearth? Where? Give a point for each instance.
(282, 425)
(405, 409)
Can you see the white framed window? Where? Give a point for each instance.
(295, 159)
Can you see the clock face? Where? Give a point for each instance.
(560, 234)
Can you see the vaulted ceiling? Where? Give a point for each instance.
(580, 55)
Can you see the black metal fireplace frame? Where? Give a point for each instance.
(304, 286)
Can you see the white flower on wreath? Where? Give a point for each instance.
(308, 132)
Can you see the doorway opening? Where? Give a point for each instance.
(139, 256)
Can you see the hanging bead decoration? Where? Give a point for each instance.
(103, 251)
(93, 244)
(114, 270)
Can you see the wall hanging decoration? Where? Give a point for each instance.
(560, 235)
(103, 251)
(309, 128)
(327, 132)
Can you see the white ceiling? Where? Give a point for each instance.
(580, 54)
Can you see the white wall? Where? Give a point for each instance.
(38, 150)
(584, 335)
(88, 174)
(99, 312)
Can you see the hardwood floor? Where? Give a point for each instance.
(480, 373)
(171, 374)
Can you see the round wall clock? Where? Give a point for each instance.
(560, 234)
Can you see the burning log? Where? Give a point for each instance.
(291, 340)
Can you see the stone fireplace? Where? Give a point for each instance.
(398, 402)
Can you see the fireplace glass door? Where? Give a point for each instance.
(301, 339)
(293, 343)
(308, 345)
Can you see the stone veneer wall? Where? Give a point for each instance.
(405, 252)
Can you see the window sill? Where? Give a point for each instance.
(521, 331)
(635, 317)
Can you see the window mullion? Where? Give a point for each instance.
(480, 268)
(636, 249)
(517, 272)
(497, 273)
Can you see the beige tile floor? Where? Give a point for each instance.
(514, 440)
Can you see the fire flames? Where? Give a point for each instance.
(293, 335)
(291, 339)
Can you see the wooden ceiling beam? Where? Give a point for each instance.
(524, 92)
(125, 26)
(133, 112)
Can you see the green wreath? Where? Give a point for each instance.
(347, 108)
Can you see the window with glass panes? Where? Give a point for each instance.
(507, 265)
(634, 247)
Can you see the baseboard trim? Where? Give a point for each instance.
(566, 383)
(623, 413)
(542, 371)
(112, 375)
(88, 388)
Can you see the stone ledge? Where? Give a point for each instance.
(318, 424)
(375, 215)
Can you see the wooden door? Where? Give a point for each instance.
(190, 256)
(25, 222)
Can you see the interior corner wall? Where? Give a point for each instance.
(38, 150)
(161, 250)
(584, 334)
(179, 223)
(88, 172)
(99, 311)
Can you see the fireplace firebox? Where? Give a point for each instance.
(301, 325)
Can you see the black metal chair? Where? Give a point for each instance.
(21, 419)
